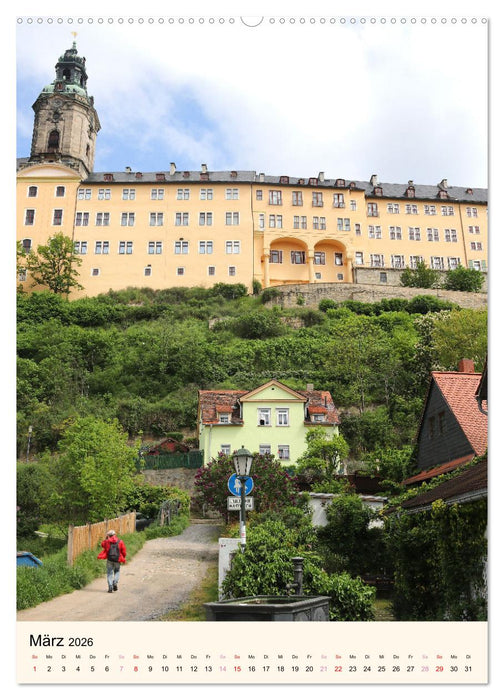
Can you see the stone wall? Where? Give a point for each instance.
(312, 294)
(392, 277)
(181, 478)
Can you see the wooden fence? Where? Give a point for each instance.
(86, 537)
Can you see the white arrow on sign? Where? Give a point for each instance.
(234, 503)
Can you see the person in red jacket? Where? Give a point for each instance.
(114, 551)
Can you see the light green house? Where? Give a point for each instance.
(270, 419)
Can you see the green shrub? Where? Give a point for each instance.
(270, 294)
(178, 524)
(463, 279)
(326, 304)
(55, 577)
(424, 304)
(266, 568)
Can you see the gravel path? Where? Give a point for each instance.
(158, 579)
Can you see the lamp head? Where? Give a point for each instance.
(242, 461)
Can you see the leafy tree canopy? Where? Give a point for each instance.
(54, 265)
(421, 276)
(463, 279)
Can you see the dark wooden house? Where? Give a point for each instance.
(453, 429)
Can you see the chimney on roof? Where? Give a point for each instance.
(204, 168)
(261, 177)
(128, 169)
(374, 180)
(309, 387)
(443, 184)
(466, 365)
(321, 176)
(173, 167)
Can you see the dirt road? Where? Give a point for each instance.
(158, 579)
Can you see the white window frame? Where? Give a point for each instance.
(233, 247)
(264, 414)
(102, 218)
(156, 218)
(181, 248)
(284, 452)
(128, 218)
(232, 218)
(282, 417)
(275, 197)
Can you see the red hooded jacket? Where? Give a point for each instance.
(105, 548)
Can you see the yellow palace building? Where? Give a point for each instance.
(195, 228)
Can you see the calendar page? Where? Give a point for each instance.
(252, 281)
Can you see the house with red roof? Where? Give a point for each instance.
(270, 419)
(453, 428)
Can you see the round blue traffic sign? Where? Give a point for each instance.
(234, 485)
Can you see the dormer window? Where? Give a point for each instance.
(378, 191)
(108, 177)
(160, 177)
(138, 176)
(284, 180)
(340, 182)
(224, 418)
(443, 194)
(313, 181)
(410, 192)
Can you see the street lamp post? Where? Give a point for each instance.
(242, 462)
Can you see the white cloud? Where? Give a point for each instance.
(406, 101)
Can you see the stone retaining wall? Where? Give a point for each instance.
(181, 478)
(312, 294)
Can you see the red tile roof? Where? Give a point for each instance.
(459, 390)
(211, 403)
(473, 482)
(440, 469)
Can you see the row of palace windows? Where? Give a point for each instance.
(179, 271)
(129, 193)
(275, 197)
(156, 247)
(82, 218)
(399, 261)
(180, 247)
(275, 221)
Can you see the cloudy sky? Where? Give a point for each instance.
(405, 100)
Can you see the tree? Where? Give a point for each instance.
(321, 461)
(94, 471)
(274, 488)
(357, 547)
(463, 279)
(421, 276)
(53, 265)
(459, 334)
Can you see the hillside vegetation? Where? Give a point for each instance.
(140, 356)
